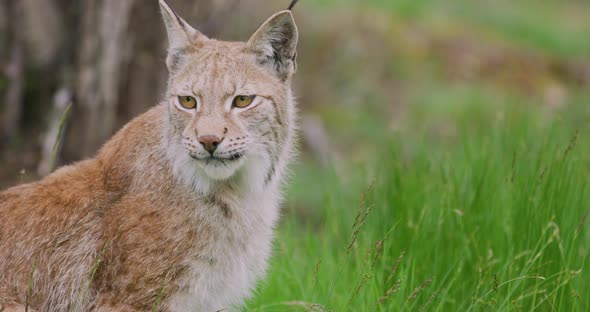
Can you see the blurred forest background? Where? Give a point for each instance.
(468, 118)
(106, 58)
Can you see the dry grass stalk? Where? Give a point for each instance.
(316, 271)
(419, 289)
(581, 224)
(571, 145)
(495, 283)
(390, 292)
(317, 308)
(542, 175)
(550, 303)
(357, 231)
(429, 301)
(513, 176)
(371, 251)
(363, 282)
(396, 265)
(309, 306)
(361, 204)
(378, 251)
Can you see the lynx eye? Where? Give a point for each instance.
(242, 101)
(187, 102)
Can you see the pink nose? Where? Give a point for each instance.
(210, 142)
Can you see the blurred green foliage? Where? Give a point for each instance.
(480, 171)
(555, 26)
(492, 212)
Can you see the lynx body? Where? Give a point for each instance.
(177, 210)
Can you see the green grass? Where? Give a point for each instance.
(479, 197)
(484, 196)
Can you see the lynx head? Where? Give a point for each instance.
(230, 104)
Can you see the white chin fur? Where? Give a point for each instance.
(218, 171)
(251, 171)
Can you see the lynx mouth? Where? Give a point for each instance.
(219, 168)
(215, 159)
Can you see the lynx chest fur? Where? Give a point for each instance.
(195, 250)
(228, 266)
(177, 211)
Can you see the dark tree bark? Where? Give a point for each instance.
(13, 72)
(100, 71)
(121, 70)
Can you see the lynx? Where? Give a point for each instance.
(177, 211)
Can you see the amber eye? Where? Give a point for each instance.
(187, 102)
(242, 101)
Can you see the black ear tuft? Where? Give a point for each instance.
(292, 5)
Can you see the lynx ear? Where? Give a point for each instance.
(275, 44)
(180, 34)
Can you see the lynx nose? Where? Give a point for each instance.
(210, 142)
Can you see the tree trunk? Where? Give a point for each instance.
(121, 69)
(102, 59)
(14, 72)
(109, 55)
